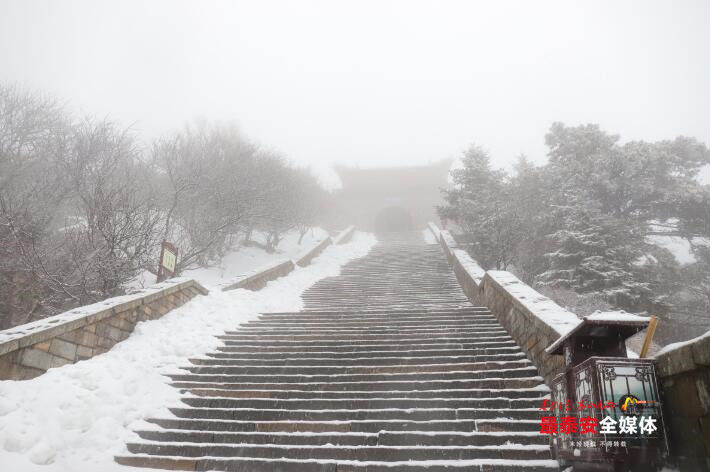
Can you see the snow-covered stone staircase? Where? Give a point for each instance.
(389, 368)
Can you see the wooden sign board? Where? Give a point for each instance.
(168, 261)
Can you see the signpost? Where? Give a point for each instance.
(168, 261)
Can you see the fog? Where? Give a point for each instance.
(372, 83)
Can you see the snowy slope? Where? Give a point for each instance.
(77, 417)
(245, 259)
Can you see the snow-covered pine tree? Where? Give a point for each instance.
(479, 205)
(594, 254)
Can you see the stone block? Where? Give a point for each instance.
(7, 362)
(36, 359)
(9, 346)
(681, 398)
(83, 352)
(102, 329)
(105, 343)
(69, 336)
(114, 334)
(676, 361)
(62, 348)
(701, 351)
(702, 385)
(43, 346)
(60, 361)
(87, 339)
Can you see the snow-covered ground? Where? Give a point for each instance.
(681, 248)
(77, 417)
(245, 259)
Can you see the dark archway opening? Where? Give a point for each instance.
(394, 218)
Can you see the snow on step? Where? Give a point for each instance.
(388, 368)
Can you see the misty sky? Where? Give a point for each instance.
(372, 83)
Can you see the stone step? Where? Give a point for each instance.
(389, 369)
(227, 382)
(219, 374)
(321, 394)
(374, 324)
(341, 370)
(360, 335)
(382, 438)
(365, 340)
(502, 426)
(318, 465)
(414, 414)
(359, 403)
(400, 351)
(348, 453)
(378, 314)
(369, 331)
(236, 360)
(361, 347)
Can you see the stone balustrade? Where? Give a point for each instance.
(532, 320)
(257, 279)
(29, 350)
(345, 235)
(684, 376)
(310, 254)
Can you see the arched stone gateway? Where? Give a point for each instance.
(393, 218)
(408, 195)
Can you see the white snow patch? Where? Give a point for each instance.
(249, 259)
(544, 308)
(704, 175)
(678, 345)
(79, 416)
(679, 247)
(619, 315)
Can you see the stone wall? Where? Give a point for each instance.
(535, 322)
(684, 377)
(31, 349)
(259, 278)
(306, 258)
(345, 235)
(532, 320)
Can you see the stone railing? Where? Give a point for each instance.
(309, 255)
(345, 235)
(31, 349)
(532, 320)
(259, 278)
(684, 375)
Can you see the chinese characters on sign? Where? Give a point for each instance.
(589, 424)
(168, 261)
(625, 425)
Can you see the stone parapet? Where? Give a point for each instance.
(257, 279)
(306, 258)
(29, 350)
(684, 376)
(345, 235)
(532, 320)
